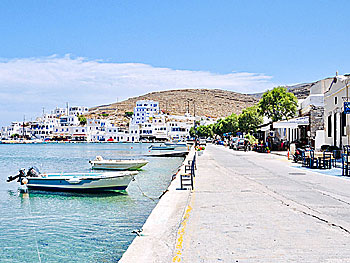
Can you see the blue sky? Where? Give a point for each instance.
(57, 51)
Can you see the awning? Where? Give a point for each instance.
(292, 123)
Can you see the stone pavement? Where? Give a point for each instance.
(250, 207)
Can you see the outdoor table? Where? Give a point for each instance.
(324, 159)
(318, 159)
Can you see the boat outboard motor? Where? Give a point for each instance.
(22, 174)
(33, 172)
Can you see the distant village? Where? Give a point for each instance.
(321, 120)
(147, 123)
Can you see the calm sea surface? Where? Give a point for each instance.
(73, 227)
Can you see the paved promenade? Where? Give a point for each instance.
(250, 207)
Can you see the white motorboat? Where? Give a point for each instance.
(104, 164)
(33, 179)
(176, 144)
(161, 147)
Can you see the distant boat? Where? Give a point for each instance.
(176, 144)
(161, 147)
(88, 182)
(168, 154)
(102, 164)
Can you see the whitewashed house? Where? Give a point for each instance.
(335, 120)
(144, 110)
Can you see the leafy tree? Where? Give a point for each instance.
(229, 124)
(278, 104)
(82, 120)
(249, 119)
(251, 139)
(202, 131)
(129, 114)
(192, 132)
(205, 131)
(15, 135)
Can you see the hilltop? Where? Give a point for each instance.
(200, 102)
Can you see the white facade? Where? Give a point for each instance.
(335, 120)
(70, 120)
(144, 110)
(146, 123)
(78, 110)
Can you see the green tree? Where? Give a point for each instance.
(205, 131)
(192, 132)
(229, 124)
(278, 104)
(251, 139)
(249, 119)
(129, 114)
(82, 120)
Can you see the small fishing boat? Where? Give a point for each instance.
(168, 154)
(161, 147)
(103, 164)
(176, 144)
(88, 182)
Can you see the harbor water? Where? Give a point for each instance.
(75, 227)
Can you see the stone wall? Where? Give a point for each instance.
(316, 120)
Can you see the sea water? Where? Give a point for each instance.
(75, 227)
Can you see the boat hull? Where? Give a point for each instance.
(116, 166)
(91, 183)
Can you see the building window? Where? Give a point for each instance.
(336, 100)
(330, 126)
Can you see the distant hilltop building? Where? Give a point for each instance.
(144, 110)
(75, 110)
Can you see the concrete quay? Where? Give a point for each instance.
(250, 207)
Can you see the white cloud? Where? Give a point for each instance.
(27, 84)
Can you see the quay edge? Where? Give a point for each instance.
(157, 240)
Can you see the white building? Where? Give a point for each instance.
(44, 126)
(335, 120)
(78, 110)
(144, 110)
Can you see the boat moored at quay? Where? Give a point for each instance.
(109, 164)
(88, 182)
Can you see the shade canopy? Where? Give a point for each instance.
(292, 123)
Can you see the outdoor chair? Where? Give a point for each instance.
(346, 149)
(304, 159)
(313, 162)
(325, 162)
(345, 164)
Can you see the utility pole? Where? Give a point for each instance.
(24, 119)
(194, 108)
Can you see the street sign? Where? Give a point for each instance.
(347, 107)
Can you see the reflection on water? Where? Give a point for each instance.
(68, 226)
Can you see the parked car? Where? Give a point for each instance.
(239, 144)
(202, 141)
(232, 142)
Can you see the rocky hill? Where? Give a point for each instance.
(301, 91)
(199, 102)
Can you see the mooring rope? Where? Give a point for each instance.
(35, 235)
(142, 192)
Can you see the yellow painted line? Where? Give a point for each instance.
(181, 232)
